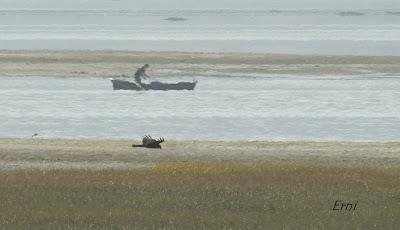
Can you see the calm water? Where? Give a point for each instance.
(267, 108)
(363, 32)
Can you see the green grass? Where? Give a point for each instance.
(201, 196)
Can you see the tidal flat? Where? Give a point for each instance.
(112, 63)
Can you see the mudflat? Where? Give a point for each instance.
(109, 63)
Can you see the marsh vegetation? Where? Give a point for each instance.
(203, 196)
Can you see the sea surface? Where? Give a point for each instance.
(355, 32)
(271, 107)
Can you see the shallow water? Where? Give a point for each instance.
(361, 32)
(275, 107)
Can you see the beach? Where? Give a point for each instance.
(61, 154)
(107, 63)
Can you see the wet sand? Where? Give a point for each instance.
(47, 154)
(115, 63)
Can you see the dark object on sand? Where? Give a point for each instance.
(155, 85)
(175, 19)
(396, 13)
(350, 13)
(149, 142)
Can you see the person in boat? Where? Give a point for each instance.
(141, 73)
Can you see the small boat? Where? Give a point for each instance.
(155, 85)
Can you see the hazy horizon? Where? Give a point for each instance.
(205, 4)
(301, 27)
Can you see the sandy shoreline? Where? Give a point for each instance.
(110, 63)
(48, 154)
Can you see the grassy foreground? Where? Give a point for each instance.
(202, 196)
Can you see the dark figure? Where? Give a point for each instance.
(149, 142)
(141, 72)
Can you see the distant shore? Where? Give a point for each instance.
(108, 63)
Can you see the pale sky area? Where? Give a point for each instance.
(201, 4)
